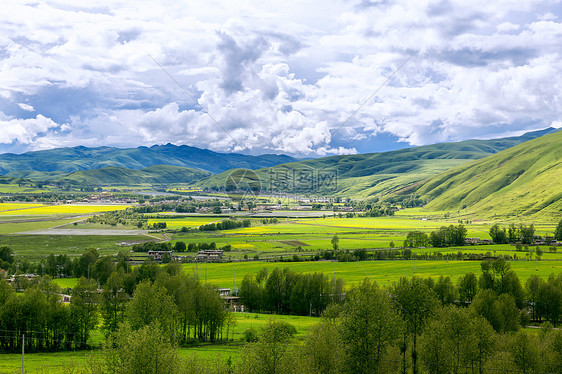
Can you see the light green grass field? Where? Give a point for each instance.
(15, 227)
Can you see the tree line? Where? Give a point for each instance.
(446, 236)
(287, 292)
(227, 224)
(184, 308)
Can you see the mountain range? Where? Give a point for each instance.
(514, 175)
(54, 163)
(364, 175)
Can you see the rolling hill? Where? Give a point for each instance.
(158, 174)
(54, 163)
(523, 180)
(364, 175)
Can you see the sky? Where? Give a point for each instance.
(307, 78)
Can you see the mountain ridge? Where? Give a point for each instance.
(71, 159)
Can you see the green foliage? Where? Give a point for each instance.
(147, 349)
(558, 231)
(369, 325)
(269, 354)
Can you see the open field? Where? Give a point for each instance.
(383, 272)
(35, 247)
(9, 227)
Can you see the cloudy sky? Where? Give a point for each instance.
(305, 78)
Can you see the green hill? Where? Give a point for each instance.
(370, 174)
(525, 179)
(158, 174)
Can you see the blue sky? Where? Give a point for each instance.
(305, 78)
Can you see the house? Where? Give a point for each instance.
(157, 255)
(231, 302)
(209, 255)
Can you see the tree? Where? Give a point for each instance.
(151, 303)
(499, 236)
(558, 232)
(268, 354)
(85, 263)
(180, 247)
(113, 304)
(415, 302)
(527, 233)
(533, 285)
(84, 309)
(323, 350)
(102, 269)
(524, 350)
(501, 312)
(335, 242)
(148, 350)
(445, 290)
(250, 293)
(468, 287)
(369, 325)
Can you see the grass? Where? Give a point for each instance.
(35, 247)
(15, 227)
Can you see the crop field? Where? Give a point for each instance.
(65, 209)
(383, 272)
(17, 206)
(35, 247)
(8, 227)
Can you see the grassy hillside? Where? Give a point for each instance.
(374, 173)
(44, 165)
(525, 179)
(158, 174)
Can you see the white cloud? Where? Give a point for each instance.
(26, 107)
(275, 77)
(24, 131)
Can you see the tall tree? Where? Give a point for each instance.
(84, 309)
(369, 324)
(416, 303)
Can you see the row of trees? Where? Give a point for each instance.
(183, 307)
(522, 233)
(288, 292)
(401, 329)
(445, 236)
(226, 225)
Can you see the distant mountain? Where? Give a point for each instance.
(56, 162)
(369, 174)
(158, 174)
(525, 179)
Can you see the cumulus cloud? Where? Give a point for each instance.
(275, 78)
(24, 131)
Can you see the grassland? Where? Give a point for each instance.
(523, 180)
